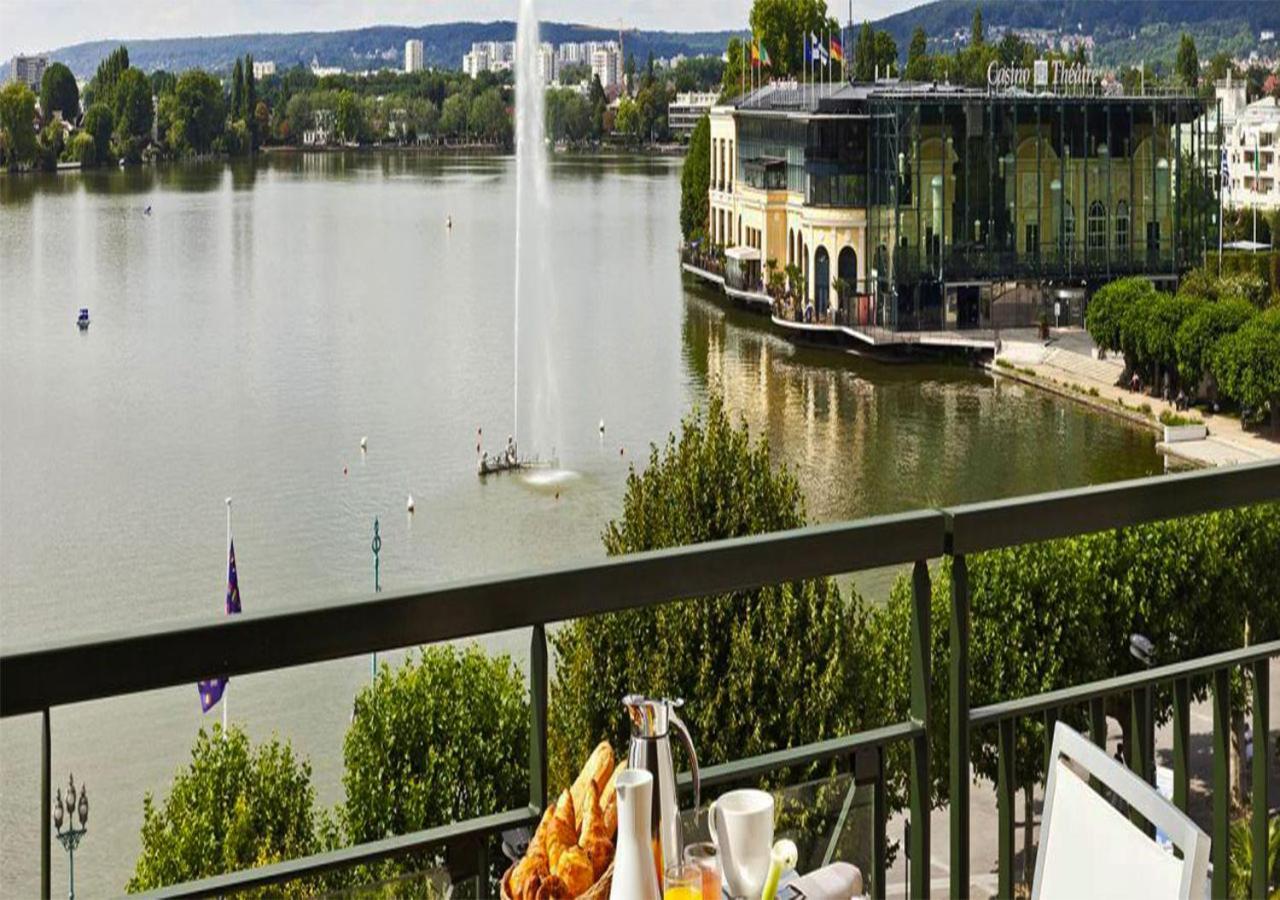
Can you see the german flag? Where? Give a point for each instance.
(837, 52)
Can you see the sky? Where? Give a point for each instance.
(29, 26)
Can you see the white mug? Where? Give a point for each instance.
(741, 825)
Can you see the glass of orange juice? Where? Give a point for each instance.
(704, 856)
(683, 882)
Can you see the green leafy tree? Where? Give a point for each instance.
(17, 123)
(82, 149)
(737, 70)
(783, 27)
(349, 119)
(49, 146)
(234, 806)
(695, 181)
(730, 657)
(101, 88)
(1199, 334)
(1247, 364)
(199, 112)
(59, 93)
(599, 102)
(99, 122)
(134, 112)
(1159, 340)
(919, 65)
(628, 120)
(488, 118)
(162, 82)
(1109, 309)
(442, 738)
(568, 116)
(886, 52)
(237, 90)
(453, 116)
(977, 36)
(864, 54)
(1188, 62)
(251, 102)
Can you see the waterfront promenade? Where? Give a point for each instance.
(1066, 365)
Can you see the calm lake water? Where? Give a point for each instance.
(264, 318)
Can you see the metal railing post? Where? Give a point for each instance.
(1220, 846)
(1006, 787)
(46, 800)
(1142, 737)
(958, 699)
(538, 718)
(919, 787)
(1258, 776)
(1181, 743)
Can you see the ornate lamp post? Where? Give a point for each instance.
(70, 838)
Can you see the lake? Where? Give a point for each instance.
(264, 318)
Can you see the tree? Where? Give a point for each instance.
(162, 82)
(234, 806)
(736, 70)
(864, 54)
(349, 118)
(599, 103)
(453, 116)
(237, 90)
(783, 27)
(976, 34)
(251, 102)
(199, 112)
(730, 657)
(1199, 334)
(17, 123)
(628, 120)
(1159, 339)
(59, 93)
(133, 110)
(488, 118)
(1219, 65)
(262, 121)
(100, 123)
(1188, 63)
(695, 181)
(1109, 309)
(1247, 364)
(442, 738)
(101, 88)
(886, 52)
(919, 65)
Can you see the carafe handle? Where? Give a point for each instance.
(693, 757)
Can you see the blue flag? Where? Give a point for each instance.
(211, 691)
(808, 48)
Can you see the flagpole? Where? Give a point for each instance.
(226, 689)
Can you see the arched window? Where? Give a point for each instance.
(1122, 227)
(1096, 227)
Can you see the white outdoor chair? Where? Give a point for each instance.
(1089, 849)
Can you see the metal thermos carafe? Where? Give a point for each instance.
(652, 721)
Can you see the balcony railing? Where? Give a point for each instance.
(39, 679)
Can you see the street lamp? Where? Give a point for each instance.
(70, 838)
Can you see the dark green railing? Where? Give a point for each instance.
(37, 679)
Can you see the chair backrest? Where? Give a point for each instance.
(1089, 849)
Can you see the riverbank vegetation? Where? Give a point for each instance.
(444, 735)
(1216, 340)
(129, 115)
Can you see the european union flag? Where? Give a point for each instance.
(211, 691)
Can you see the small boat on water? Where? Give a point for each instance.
(83, 319)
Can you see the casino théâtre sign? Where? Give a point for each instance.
(1042, 73)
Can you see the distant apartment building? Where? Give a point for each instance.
(30, 70)
(1253, 145)
(489, 56)
(606, 65)
(413, 55)
(264, 68)
(547, 63)
(686, 110)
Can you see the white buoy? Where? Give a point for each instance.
(602, 426)
(448, 222)
(409, 504)
(364, 443)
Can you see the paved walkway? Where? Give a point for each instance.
(1067, 361)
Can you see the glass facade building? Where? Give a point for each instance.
(977, 209)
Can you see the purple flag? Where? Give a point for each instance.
(211, 691)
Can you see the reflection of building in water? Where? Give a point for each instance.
(925, 207)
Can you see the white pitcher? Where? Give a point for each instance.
(635, 874)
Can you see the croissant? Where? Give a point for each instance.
(538, 844)
(560, 838)
(553, 889)
(564, 810)
(528, 875)
(583, 804)
(576, 871)
(597, 844)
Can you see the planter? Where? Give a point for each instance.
(1177, 434)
